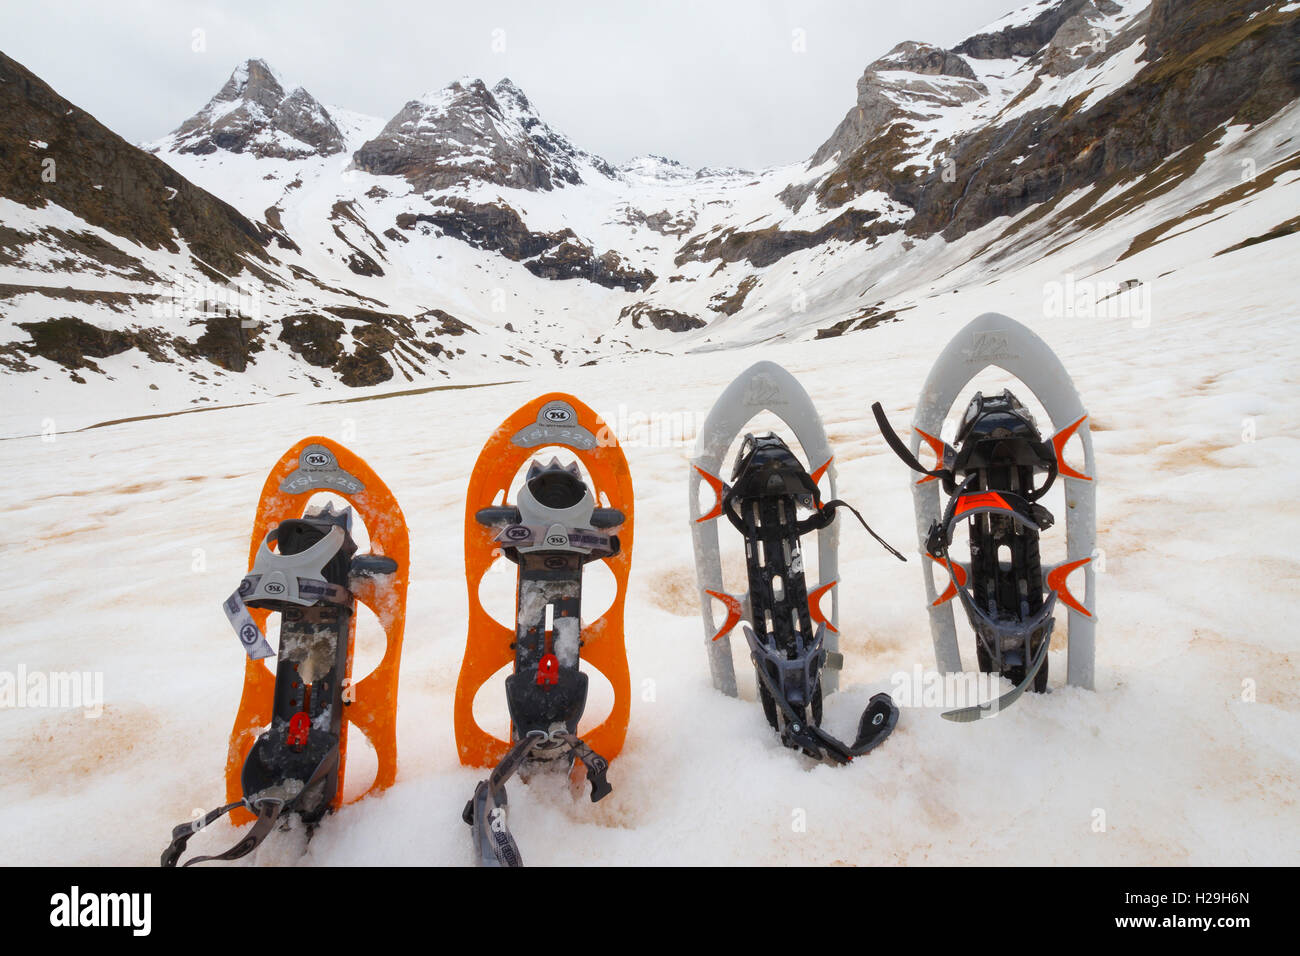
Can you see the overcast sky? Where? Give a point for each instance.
(737, 83)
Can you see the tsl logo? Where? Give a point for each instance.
(763, 391)
(990, 347)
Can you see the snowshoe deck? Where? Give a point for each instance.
(304, 567)
(769, 486)
(997, 500)
(555, 419)
(763, 387)
(312, 465)
(550, 529)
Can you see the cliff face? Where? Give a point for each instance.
(1206, 63)
(52, 153)
(1062, 96)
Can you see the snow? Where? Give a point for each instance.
(1187, 746)
(656, 169)
(1021, 16)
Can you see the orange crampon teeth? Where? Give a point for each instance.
(1056, 580)
(734, 612)
(716, 484)
(1058, 445)
(938, 447)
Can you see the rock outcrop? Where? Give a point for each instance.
(550, 255)
(53, 152)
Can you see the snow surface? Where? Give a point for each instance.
(121, 541)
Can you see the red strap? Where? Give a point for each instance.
(985, 499)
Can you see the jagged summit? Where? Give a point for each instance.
(911, 81)
(259, 112)
(1026, 30)
(1091, 141)
(465, 131)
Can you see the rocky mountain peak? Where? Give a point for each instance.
(254, 80)
(465, 132)
(512, 97)
(1024, 31)
(257, 112)
(909, 82)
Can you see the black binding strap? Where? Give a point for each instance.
(268, 810)
(877, 723)
(827, 514)
(485, 811)
(901, 450)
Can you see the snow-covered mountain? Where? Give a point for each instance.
(466, 132)
(257, 112)
(655, 168)
(466, 233)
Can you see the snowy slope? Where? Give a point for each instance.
(1196, 439)
(468, 204)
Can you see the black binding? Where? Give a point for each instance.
(546, 697)
(769, 484)
(999, 450)
(284, 773)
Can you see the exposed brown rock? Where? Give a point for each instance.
(665, 320)
(365, 366)
(314, 337)
(134, 199)
(550, 255)
(227, 343)
(763, 247)
(731, 304)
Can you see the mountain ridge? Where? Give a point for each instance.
(464, 231)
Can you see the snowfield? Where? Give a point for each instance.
(120, 542)
(129, 500)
